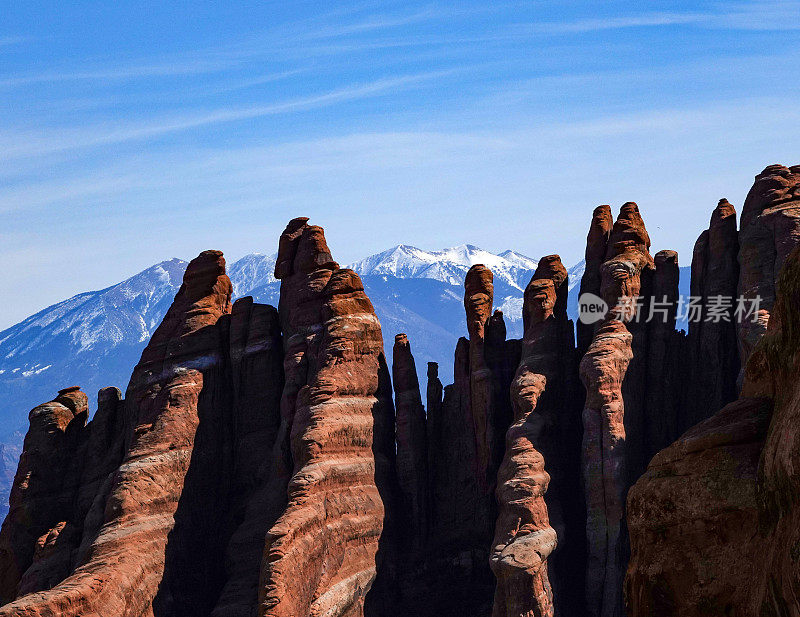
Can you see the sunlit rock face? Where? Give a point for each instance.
(259, 466)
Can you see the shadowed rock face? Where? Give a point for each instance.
(596, 248)
(256, 465)
(412, 445)
(607, 453)
(665, 358)
(464, 434)
(714, 521)
(478, 299)
(36, 529)
(769, 230)
(712, 344)
(123, 566)
(250, 420)
(433, 417)
(321, 553)
(63, 481)
(559, 439)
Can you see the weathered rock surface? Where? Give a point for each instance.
(627, 277)
(711, 340)
(412, 445)
(478, 300)
(256, 488)
(523, 537)
(714, 521)
(596, 248)
(465, 447)
(257, 466)
(612, 441)
(769, 230)
(560, 438)
(604, 465)
(124, 564)
(35, 542)
(321, 553)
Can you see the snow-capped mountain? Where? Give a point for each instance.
(71, 341)
(575, 273)
(126, 313)
(512, 271)
(251, 272)
(448, 265)
(94, 339)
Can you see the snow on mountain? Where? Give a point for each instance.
(575, 273)
(127, 312)
(250, 272)
(448, 265)
(94, 339)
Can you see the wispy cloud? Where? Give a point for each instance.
(164, 69)
(374, 23)
(767, 15)
(6, 41)
(612, 23)
(757, 15)
(290, 168)
(27, 144)
(335, 32)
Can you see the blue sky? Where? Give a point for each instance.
(136, 132)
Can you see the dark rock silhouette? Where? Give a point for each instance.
(769, 230)
(412, 444)
(714, 521)
(258, 465)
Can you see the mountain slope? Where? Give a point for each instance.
(448, 265)
(94, 339)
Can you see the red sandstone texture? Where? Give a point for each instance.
(712, 345)
(523, 537)
(321, 553)
(478, 298)
(596, 247)
(123, 566)
(250, 424)
(769, 230)
(606, 440)
(39, 531)
(558, 439)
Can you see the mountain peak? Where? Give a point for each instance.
(449, 265)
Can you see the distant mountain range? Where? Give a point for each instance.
(94, 339)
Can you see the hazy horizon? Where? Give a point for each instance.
(131, 136)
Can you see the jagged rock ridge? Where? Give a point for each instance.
(258, 465)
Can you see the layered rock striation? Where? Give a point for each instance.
(523, 538)
(258, 465)
(322, 554)
(769, 230)
(123, 565)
